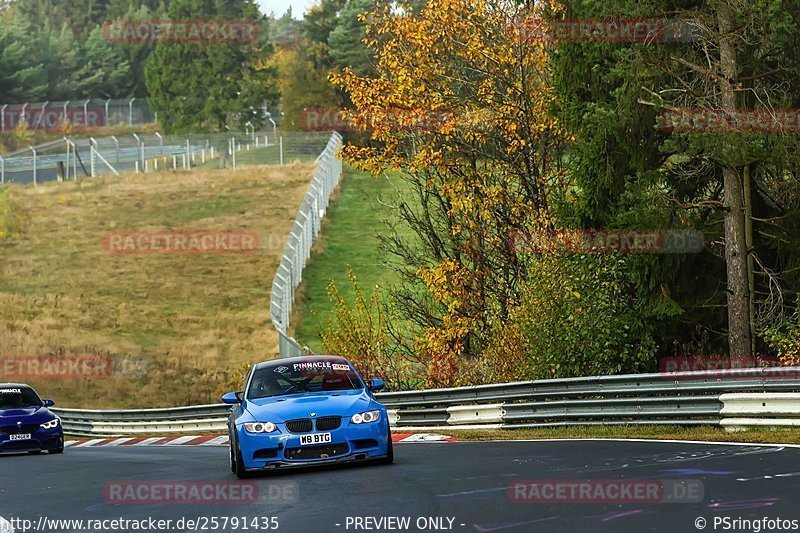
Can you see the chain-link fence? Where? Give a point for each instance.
(68, 159)
(297, 252)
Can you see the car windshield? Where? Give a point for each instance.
(296, 378)
(18, 397)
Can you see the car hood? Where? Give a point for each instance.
(283, 408)
(26, 415)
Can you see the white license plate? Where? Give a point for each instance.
(315, 438)
(21, 436)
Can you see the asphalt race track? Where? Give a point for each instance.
(463, 481)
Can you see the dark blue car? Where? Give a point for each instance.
(306, 411)
(26, 423)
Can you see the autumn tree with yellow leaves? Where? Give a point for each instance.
(462, 107)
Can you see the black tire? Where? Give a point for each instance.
(60, 449)
(231, 457)
(239, 470)
(389, 459)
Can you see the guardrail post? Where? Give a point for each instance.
(105, 118)
(160, 143)
(2, 171)
(130, 111)
(3, 117)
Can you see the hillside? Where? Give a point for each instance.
(176, 328)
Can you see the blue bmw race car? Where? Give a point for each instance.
(306, 411)
(26, 423)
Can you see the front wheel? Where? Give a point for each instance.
(237, 465)
(389, 459)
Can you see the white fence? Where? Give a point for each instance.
(70, 159)
(91, 113)
(298, 248)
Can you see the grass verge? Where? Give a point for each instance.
(178, 328)
(709, 433)
(349, 236)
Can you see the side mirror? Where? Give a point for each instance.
(232, 398)
(49, 403)
(375, 384)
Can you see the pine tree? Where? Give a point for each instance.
(345, 40)
(209, 83)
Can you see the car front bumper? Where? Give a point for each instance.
(41, 440)
(349, 443)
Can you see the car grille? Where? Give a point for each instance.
(302, 425)
(13, 430)
(317, 452)
(327, 423)
(20, 445)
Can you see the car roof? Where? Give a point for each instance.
(14, 386)
(303, 359)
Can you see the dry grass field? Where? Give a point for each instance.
(176, 328)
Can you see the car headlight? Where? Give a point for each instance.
(260, 427)
(365, 418)
(50, 425)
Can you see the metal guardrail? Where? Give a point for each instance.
(731, 398)
(297, 252)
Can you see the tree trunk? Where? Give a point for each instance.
(739, 335)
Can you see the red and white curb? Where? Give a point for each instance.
(211, 440)
(208, 440)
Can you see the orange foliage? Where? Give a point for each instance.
(464, 103)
